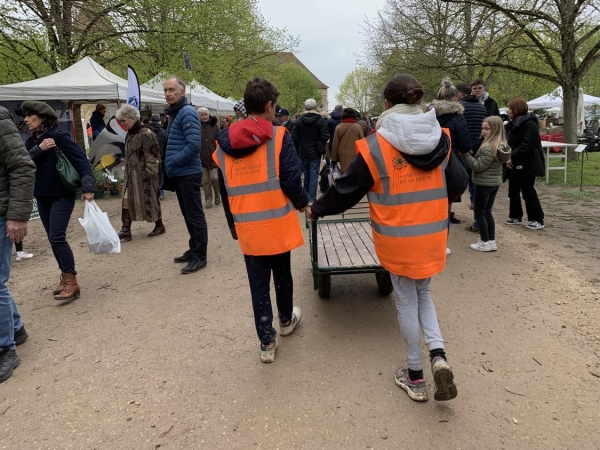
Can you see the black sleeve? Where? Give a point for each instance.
(290, 174)
(226, 207)
(347, 191)
(324, 132)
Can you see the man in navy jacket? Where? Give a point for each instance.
(183, 166)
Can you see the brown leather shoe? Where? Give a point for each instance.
(159, 228)
(125, 233)
(61, 285)
(71, 289)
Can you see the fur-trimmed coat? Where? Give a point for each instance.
(450, 115)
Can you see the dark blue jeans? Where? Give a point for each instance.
(310, 168)
(187, 189)
(484, 202)
(10, 320)
(259, 270)
(55, 213)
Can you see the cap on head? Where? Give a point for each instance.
(283, 112)
(40, 109)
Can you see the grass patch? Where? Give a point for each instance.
(579, 195)
(591, 171)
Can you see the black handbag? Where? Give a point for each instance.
(457, 178)
(67, 173)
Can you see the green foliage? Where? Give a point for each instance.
(228, 40)
(295, 85)
(361, 89)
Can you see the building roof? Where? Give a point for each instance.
(289, 57)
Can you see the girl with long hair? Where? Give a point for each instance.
(487, 177)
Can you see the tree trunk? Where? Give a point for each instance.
(78, 127)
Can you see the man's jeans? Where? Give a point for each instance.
(187, 189)
(10, 320)
(259, 270)
(310, 168)
(55, 213)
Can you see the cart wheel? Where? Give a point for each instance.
(324, 285)
(384, 283)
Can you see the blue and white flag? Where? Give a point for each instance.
(133, 88)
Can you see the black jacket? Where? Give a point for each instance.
(310, 130)
(450, 115)
(491, 106)
(290, 172)
(474, 114)
(526, 154)
(97, 123)
(161, 136)
(47, 180)
(332, 122)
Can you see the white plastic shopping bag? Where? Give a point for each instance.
(101, 236)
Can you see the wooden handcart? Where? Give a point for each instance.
(342, 245)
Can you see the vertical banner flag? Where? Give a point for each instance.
(133, 88)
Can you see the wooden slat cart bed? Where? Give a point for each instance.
(343, 244)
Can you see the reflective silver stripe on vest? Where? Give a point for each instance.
(411, 230)
(388, 199)
(272, 183)
(264, 215)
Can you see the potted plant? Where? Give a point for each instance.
(99, 184)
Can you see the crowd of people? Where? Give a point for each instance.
(263, 167)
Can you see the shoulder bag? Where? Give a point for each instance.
(68, 175)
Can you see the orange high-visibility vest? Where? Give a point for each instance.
(409, 210)
(265, 219)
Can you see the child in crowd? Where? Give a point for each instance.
(487, 176)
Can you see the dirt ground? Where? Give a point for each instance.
(148, 358)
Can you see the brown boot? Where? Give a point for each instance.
(61, 285)
(70, 290)
(125, 233)
(159, 228)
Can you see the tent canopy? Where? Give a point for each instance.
(555, 99)
(199, 95)
(86, 81)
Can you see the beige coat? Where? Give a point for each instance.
(343, 149)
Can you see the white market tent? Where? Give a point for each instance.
(199, 96)
(86, 81)
(555, 99)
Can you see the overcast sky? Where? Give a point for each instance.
(330, 34)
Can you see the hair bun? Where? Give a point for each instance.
(414, 95)
(447, 82)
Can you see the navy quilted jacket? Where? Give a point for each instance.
(182, 156)
(474, 114)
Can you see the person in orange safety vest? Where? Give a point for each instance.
(401, 170)
(261, 189)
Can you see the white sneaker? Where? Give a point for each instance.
(535, 225)
(481, 246)
(493, 245)
(23, 255)
(286, 330)
(448, 251)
